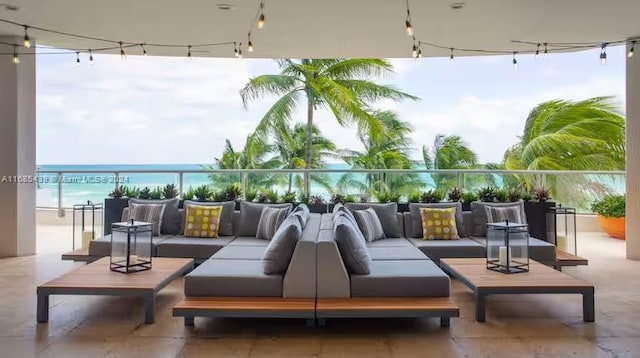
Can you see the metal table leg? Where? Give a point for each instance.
(43, 308)
(480, 307)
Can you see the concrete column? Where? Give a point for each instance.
(633, 158)
(17, 151)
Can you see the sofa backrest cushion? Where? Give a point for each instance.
(302, 213)
(270, 221)
(369, 224)
(352, 246)
(415, 230)
(499, 214)
(479, 215)
(170, 217)
(250, 216)
(151, 213)
(386, 214)
(226, 218)
(277, 256)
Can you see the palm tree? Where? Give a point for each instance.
(448, 152)
(290, 147)
(387, 152)
(343, 86)
(572, 135)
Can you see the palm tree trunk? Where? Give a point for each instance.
(309, 148)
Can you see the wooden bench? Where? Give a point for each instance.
(387, 307)
(566, 259)
(254, 307)
(80, 255)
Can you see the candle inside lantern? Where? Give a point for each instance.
(87, 236)
(133, 259)
(502, 255)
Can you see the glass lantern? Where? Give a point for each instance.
(131, 246)
(561, 228)
(507, 247)
(87, 220)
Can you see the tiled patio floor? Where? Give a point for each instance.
(517, 326)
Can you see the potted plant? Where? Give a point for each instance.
(145, 193)
(272, 196)
(455, 195)
(414, 197)
(611, 211)
(467, 199)
(169, 191)
(156, 194)
(431, 196)
(202, 193)
(113, 206)
(189, 194)
(487, 194)
(536, 210)
(288, 197)
(250, 195)
(317, 204)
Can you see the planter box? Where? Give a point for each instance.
(318, 208)
(113, 212)
(403, 207)
(537, 219)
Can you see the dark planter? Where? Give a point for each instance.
(403, 207)
(330, 207)
(113, 212)
(466, 206)
(319, 208)
(537, 219)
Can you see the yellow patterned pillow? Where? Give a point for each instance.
(202, 221)
(439, 224)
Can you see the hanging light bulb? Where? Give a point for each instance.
(451, 56)
(15, 59)
(189, 52)
(261, 19)
(27, 41)
(407, 22)
(537, 51)
(144, 50)
(419, 52)
(77, 58)
(239, 53)
(546, 50)
(630, 53)
(90, 57)
(122, 54)
(603, 54)
(414, 50)
(249, 43)
(235, 49)
(515, 62)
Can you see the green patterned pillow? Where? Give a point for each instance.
(439, 224)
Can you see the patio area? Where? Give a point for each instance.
(519, 325)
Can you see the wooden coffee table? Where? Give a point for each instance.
(540, 279)
(96, 279)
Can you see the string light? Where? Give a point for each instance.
(27, 41)
(15, 59)
(77, 58)
(189, 52)
(537, 51)
(515, 62)
(144, 50)
(249, 43)
(414, 50)
(603, 54)
(630, 53)
(451, 56)
(407, 22)
(240, 50)
(546, 50)
(122, 54)
(90, 57)
(419, 54)
(235, 49)
(261, 19)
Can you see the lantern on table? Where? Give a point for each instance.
(507, 247)
(131, 246)
(561, 228)
(85, 219)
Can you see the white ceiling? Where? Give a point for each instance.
(327, 28)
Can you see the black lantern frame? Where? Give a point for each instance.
(84, 222)
(562, 228)
(131, 246)
(507, 247)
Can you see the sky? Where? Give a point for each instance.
(171, 110)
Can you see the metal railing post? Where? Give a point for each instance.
(381, 180)
(243, 183)
(117, 180)
(60, 209)
(460, 179)
(306, 182)
(180, 184)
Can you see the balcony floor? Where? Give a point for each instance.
(517, 326)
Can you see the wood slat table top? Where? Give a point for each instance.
(475, 271)
(246, 303)
(387, 303)
(97, 275)
(562, 256)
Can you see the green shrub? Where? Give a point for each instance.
(145, 193)
(414, 197)
(250, 195)
(502, 195)
(611, 206)
(349, 198)
(189, 194)
(169, 191)
(272, 196)
(431, 196)
(541, 194)
(232, 192)
(487, 194)
(470, 197)
(117, 193)
(514, 195)
(455, 194)
(288, 197)
(156, 194)
(202, 193)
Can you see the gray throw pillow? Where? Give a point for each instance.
(386, 214)
(250, 216)
(497, 214)
(277, 256)
(343, 210)
(302, 213)
(270, 221)
(170, 218)
(369, 224)
(151, 213)
(352, 246)
(479, 215)
(416, 218)
(226, 217)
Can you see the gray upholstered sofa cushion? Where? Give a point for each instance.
(439, 249)
(369, 224)
(396, 253)
(170, 217)
(197, 248)
(232, 278)
(240, 252)
(479, 215)
(302, 212)
(415, 230)
(390, 242)
(351, 244)
(539, 250)
(401, 278)
(248, 241)
(226, 217)
(250, 216)
(270, 221)
(102, 246)
(278, 254)
(386, 213)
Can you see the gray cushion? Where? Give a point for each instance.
(386, 213)
(197, 248)
(396, 253)
(151, 213)
(278, 254)
(302, 212)
(240, 253)
(170, 217)
(226, 217)
(439, 249)
(369, 224)
(479, 215)
(416, 218)
(248, 241)
(250, 216)
(232, 278)
(390, 242)
(102, 246)
(270, 221)
(401, 278)
(539, 250)
(351, 245)
(499, 214)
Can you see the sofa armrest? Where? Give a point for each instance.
(300, 278)
(333, 278)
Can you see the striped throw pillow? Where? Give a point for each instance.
(151, 213)
(270, 221)
(369, 224)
